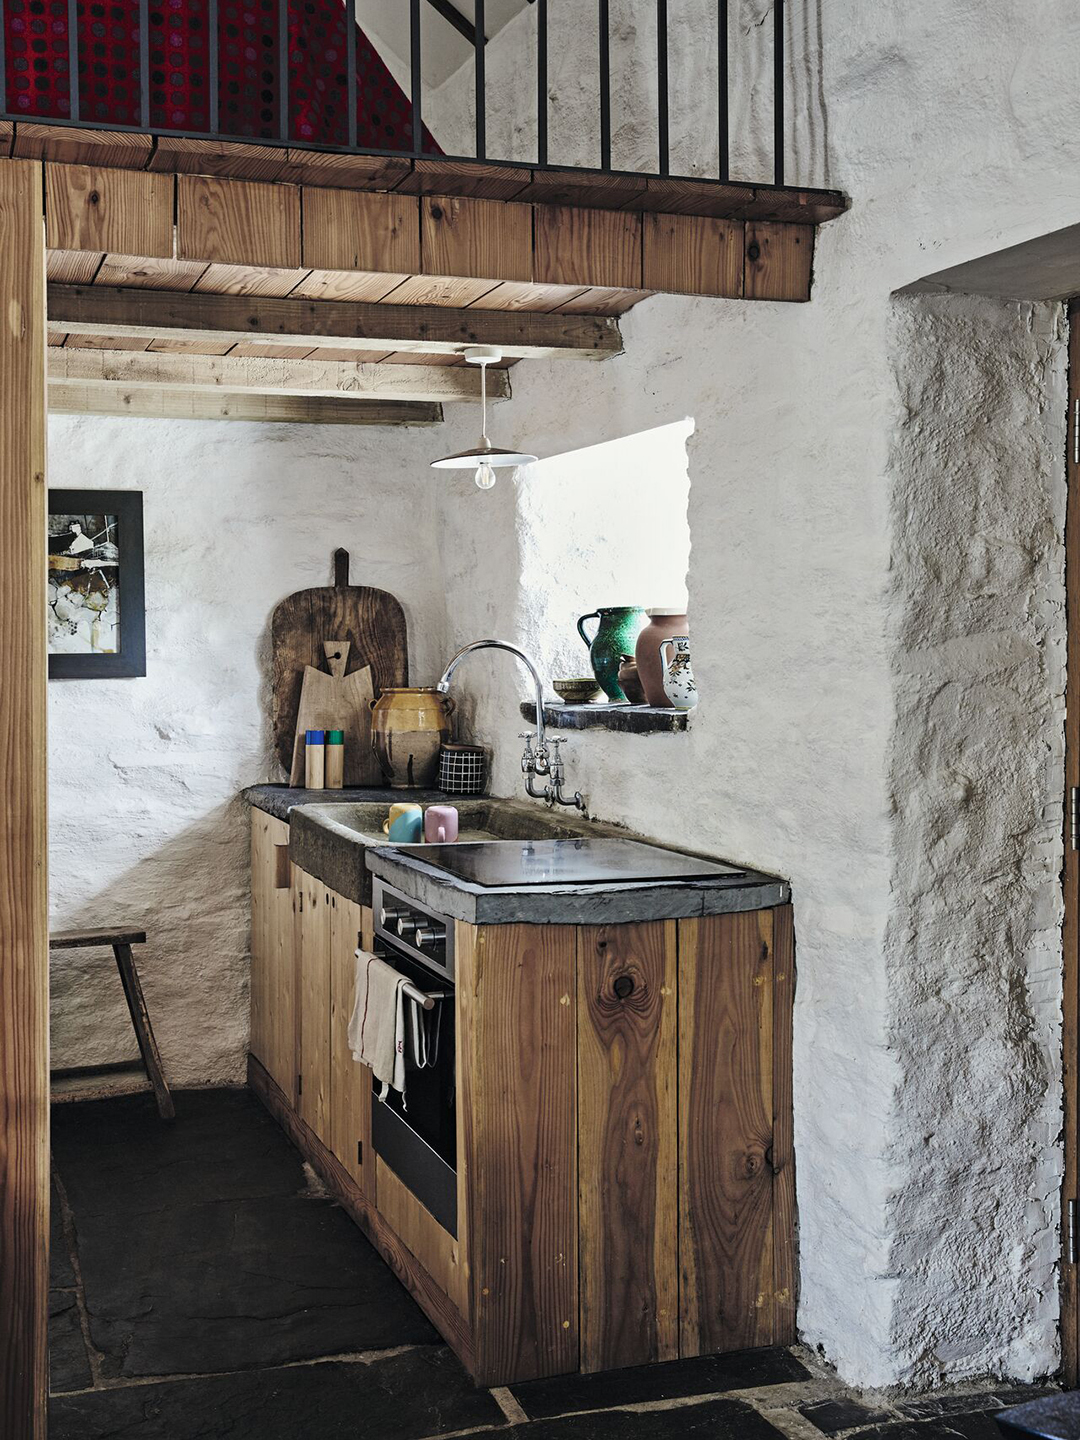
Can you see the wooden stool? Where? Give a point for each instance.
(121, 942)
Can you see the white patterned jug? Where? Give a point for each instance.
(679, 685)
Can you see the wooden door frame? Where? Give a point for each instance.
(24, 946)
(1070, 1228)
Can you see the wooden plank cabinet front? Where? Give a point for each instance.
(625, 1163)
(273, 1007)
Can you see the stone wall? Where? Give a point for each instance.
(877, 616)
(145, 825)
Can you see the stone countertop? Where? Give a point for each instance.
(278, 799)
(605, 904)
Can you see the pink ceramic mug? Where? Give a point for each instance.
(440, 824)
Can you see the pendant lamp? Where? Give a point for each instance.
(486, 458)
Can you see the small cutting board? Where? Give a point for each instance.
(338, 702)
(373, 623)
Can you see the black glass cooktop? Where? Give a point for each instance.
(565, 862)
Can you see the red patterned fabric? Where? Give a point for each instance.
(249, 70)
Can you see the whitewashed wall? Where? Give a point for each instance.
(877, 618)
(145, 825)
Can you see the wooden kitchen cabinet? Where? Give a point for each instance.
(625, 1187)
(313, 1004)
(350, 1083)
(273, 1010)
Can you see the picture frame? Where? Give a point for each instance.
(96, 585)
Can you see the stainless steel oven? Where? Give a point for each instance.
(417, 1137)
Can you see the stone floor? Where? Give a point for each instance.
(203, 1286)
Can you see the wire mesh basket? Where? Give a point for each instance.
(462, 769)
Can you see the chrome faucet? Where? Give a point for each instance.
(534, 762)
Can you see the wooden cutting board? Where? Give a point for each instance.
(337, 701)
(373, 623)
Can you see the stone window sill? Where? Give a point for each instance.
(629, 719)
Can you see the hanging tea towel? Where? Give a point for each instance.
(377, 1027)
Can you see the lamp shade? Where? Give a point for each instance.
(491, 455)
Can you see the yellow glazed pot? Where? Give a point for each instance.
(408, 728)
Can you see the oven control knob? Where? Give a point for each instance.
(389, 917)
(430, 935)
(406, 924)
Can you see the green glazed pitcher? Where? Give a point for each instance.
(615, 637)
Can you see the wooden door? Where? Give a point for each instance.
(350, 1083)
(1070, 1191)
(273, 1021)
(628, 1144)
(24, 954)
(736, 1167)
(313, 1000)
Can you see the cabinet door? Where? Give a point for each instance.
(627, 1150)
(735, 1165)
(272, 958)
(313, 980)
(350, 1082)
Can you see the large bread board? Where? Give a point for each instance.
(371, 620)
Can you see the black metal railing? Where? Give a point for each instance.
(190, 73)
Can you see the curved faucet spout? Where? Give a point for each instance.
(540, 766)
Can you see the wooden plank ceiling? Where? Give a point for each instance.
(425, 274)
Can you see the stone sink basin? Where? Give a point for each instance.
(330, 842)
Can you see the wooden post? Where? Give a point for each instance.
(24, 954)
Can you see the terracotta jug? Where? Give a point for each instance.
(409, 726)
(663, 625)
(615, 634)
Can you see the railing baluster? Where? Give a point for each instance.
(416, 76)
(662, 84)
(73, 60)
(481, 80)
(283, 69)
(144, 64)
(722, 86)
(541, 83)
(605, 85)
(778, 92)
(213, 62)
(350, 76)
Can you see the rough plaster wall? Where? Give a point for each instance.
(976, 777)
(145, 826)
(574, 88)
(955, 130)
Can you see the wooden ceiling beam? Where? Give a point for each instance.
(420, 329)
(259, 375)
(71, 398)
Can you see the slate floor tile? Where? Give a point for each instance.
(711, 1420)
(237, 1285)
(978, 1426)
(832, 1417)
(705, 1375)
(930, 1406)
(61, 1274)
(118, 1158)
(69, 1369)
(404, 1397)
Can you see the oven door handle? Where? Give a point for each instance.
(425, 1001)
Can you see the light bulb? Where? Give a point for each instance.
(485, 476)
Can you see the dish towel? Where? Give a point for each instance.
(377, 1027)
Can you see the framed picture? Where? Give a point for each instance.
(96, 618)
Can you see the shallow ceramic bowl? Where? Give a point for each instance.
(576, 692)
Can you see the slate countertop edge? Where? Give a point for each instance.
(572, 905)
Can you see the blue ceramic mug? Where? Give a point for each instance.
(405, 825)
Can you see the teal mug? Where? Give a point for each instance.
(616, 635)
